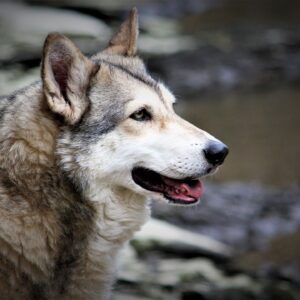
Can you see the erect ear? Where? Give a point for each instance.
(124, 42)
(66, 73)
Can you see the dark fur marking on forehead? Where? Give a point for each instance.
(138, 76)
(147, 80)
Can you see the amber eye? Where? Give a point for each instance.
(141, 115)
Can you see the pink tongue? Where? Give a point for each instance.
(183, 191)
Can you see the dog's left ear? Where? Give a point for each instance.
(124, 42)
(66, 74)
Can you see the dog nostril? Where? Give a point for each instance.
(215, 153)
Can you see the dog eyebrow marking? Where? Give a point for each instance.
(146, 80)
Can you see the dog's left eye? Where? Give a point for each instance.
(141, 115)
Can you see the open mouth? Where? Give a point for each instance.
(181, 191)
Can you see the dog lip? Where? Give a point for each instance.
(179, 191)
(179, 201)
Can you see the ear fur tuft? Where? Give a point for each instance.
(124, 42)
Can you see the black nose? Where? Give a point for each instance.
(216, 152)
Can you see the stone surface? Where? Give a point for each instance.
(29, 26)
(249, 215)
(155, 276)
(109, 5)
(227, 61)
(157, 234)
(15, 78)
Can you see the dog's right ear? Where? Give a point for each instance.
(66, 73)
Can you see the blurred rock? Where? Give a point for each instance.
(244, 216)
(280, 259)
(29, 26)
(160, 26)
(160, 235)
(173, 272)
(156, 276)
(169, 8)
(151, 269)
(161, 36)
(154, 46)
(160, 273)
(110, 5)
(15, 78)
(176, 8)
(191, 59)
(226, 61)
(261, 224)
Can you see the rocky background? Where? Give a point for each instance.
(235, 68)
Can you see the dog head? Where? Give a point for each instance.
(120, 128)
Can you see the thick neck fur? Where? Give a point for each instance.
(59, 242)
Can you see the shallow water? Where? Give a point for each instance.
(262, 130)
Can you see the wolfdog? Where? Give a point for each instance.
(81, 152)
